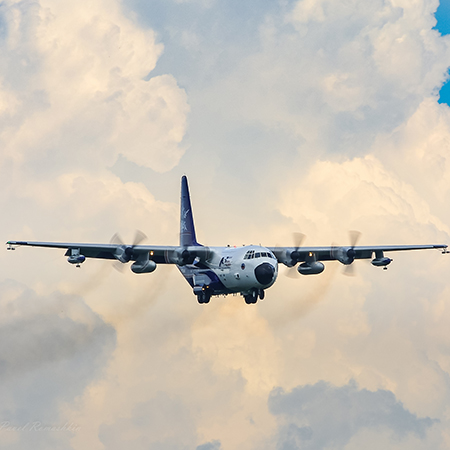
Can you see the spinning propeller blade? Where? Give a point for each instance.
(139, 236)
(298, 239)
(354, 236)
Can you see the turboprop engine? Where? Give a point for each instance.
(124, 253)
(345, 255)
(187, 255)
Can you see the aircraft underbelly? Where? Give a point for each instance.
(203, 277)
(221, 281)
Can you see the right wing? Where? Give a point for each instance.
(158, 253)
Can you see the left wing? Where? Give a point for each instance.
(346, 255)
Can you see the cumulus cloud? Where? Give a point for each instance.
(363, 194)
(52, 347)
(214, 445)
(333, 76)
(321, 415)
(418, 151)
(73, 79)
(168, 423)
(326, 123)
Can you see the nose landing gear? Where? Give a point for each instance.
(253, 296)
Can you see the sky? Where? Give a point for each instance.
(311, 116)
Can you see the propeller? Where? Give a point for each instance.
(354, 235)
(127, 253)
(298, 239)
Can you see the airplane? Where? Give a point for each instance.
(248, 270)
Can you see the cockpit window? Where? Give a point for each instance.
(251, 255)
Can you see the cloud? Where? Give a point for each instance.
(73, 78)
(312, 116)
(167, 421)
(359, 193)
(51, 348)
(214, 445)
(330, 76)
(418, 148)
(322, 415)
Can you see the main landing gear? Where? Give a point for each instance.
(253, 296)
(204, 296)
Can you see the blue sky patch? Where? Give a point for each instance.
(443, 17)
(443, 26)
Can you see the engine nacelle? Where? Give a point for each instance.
(123, 253)
(146, 267)
(345, 255)
(381, 262)
(76, 259)
(312, 268)
(189, 255)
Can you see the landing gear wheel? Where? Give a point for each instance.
(248, 299)
(204, 297)
(252, 297)
(261, 294)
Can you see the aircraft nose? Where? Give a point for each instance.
(264, 273)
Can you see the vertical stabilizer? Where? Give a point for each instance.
(187, 229)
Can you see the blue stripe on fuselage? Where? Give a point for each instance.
(216, 285)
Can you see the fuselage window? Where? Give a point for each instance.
(257, 255)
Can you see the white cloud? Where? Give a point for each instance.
(74, 75)
(349, 84)
(358, 194)
(346, 72)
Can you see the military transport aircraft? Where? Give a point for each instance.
(247, 270)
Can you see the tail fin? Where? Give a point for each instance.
(187, 229)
